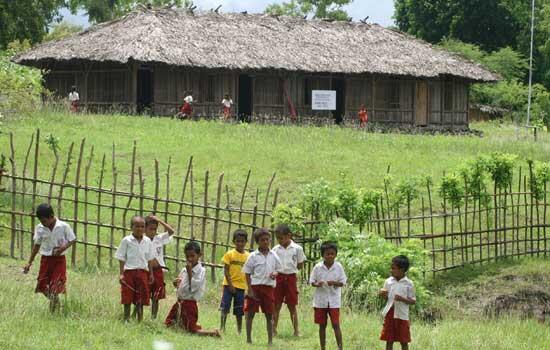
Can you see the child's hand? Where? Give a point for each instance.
(121, 279)
(232, 289)
(151, 278)
(58, 250)
(400, 298)
(274, 275)
(251, 295)
(188, 266)
(176, 282)
(319, 284)
(331, 283)
(383, 293)
(26, 268)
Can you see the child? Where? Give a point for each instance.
(191, 285)
(52, 237)
(186, 110)
(328, 277)
(399, 291)
(292, 259)
(227, 102)
(234, 283)
(363, 116)
(159, 241)
(136, 258)
(74, 99)
(261, 272)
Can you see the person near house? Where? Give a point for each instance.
(363, 116)
(227, 102)
(74, 99)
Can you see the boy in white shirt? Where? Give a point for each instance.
(227, 102)
(136, 258)
(52, 238)
(158, 290)
(74, 99)
(399, 291)
(191, 285)
(261, 272)
(328, 277)
(286, 291)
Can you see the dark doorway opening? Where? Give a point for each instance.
(245, 98)
(144, 90)
(339, 85)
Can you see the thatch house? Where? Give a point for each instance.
(268, 64)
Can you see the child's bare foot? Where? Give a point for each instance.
(297, 334)
(217, 333)
(275, 333)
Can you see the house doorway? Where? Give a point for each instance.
(245, 98)
(339, 85)
(144, 94)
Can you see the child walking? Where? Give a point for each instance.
(158, 290)
(399, 291)
(261, 272)
(191, 285)
(52, 238)
(136, 259)
(234, 283)
(363, 116)
(328, 278)
(286, 291)
(227, 102)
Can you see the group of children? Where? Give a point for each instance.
(263, 279)
(186, 109)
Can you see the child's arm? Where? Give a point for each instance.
(121, 270)
(335, 283)
(167, 227)
(313, 280)
(151, 265)
(189, 270)
(57, 251)
(228, 278)
(249, 292)
(301, 259)
(34, 251)
(408, 301)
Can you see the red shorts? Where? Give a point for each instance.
(184, 314)
(135, 289)
(321, 315)
(264, 298)
(158, 290)
(286, 290)
(226, 110)
(395, 330)
(52, 275)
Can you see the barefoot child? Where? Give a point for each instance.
(227, 102)
(52, 238)
(261, 273)
(136, 258)
(191, 285)
(328, 277)
(286, 291)
(399, 291)
(234, 283)
(159, 241)
(363, 116)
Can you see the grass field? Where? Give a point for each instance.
(91, 319)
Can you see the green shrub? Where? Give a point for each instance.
(292, 216)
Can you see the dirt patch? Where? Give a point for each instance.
(521, 303)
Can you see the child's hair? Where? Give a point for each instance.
(402, 262)
(240, 233)
(283, 229)
(194, 246)
(134, 218)
(259, 233)
(44, 211)
(328, 245)
(150, 219)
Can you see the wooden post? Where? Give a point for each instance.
(216, 222)
(141, 191)
(64, 180)
(157, 187)
(267, 197)
(13, 198)
(75, 204)
(166, 207)
(180, 211)
(113, 205)
(205, 210)
(132, 183)
(242, 199)
(98, 229)
(230, 214)
(20, 232)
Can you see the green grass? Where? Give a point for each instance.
(91, 319)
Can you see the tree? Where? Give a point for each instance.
(62, 30)
(27, 19)
(332, 9)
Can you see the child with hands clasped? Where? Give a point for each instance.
(328, 278)
(399, 291)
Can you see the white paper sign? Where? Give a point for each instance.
(323, 100)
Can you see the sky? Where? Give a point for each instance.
(379, 11)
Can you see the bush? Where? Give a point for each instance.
(292, 216)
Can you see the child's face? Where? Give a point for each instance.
(138, 227)
(151, 228)
(48, 222)
(283, 239)
(329, 255)
(192, 256)
(396, 271)
(264, 242)
(240, 243)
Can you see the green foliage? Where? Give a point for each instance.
(316, 198)
(406, 191)
(62, 30)
(332, 9)
(53, 143)
(452, 189)
(539, 178)
(501, 167)
(290, 215)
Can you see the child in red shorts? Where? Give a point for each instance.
(328, 278)
(135, 255)
(399, 291)
(159, 241)
(191, 285)
(286, 291)
(52, 238)
(261, 272)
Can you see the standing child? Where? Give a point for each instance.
(328, 277)
(74, 99)
(261, 273)
(234, 282)
(227, 102)
(286, 291)
(136, 258)
(363, 116)
(399, 291)
(191, 285)
(52, 238)
(159, 241)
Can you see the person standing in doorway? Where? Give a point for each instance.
(74, 99)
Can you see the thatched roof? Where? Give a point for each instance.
(256, 42)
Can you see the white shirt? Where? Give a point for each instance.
(159, 241)
(48, 240)
(260, 267)
(135, 254)
(198, 283)
(188, 99)
(73, 96)
(405, 288)
(227, 103)
(290, 257)
(328, 296)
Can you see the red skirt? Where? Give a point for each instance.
(158, 290)
(395, 330)
(185, 314)
(52, 275)
(135, 289)
(264, 298)
(286, 290)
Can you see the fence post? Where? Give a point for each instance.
(13, 198)
(75, 204)
(215, 231)
(205, 210)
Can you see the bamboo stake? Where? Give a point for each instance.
(205, 209)
(495, 219)
(180, 211)
(544, 222)
(75, 206)
(132, 182)
(267, 198)
(64, 179)
(20, 234)
(113, 203)
(157, 187)
(86, 177)
(216, 222)
(230, 216)
(98, 232)
(141, 190)
(167, 188)
(192, 188)
(13, 198)
(242, 198)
